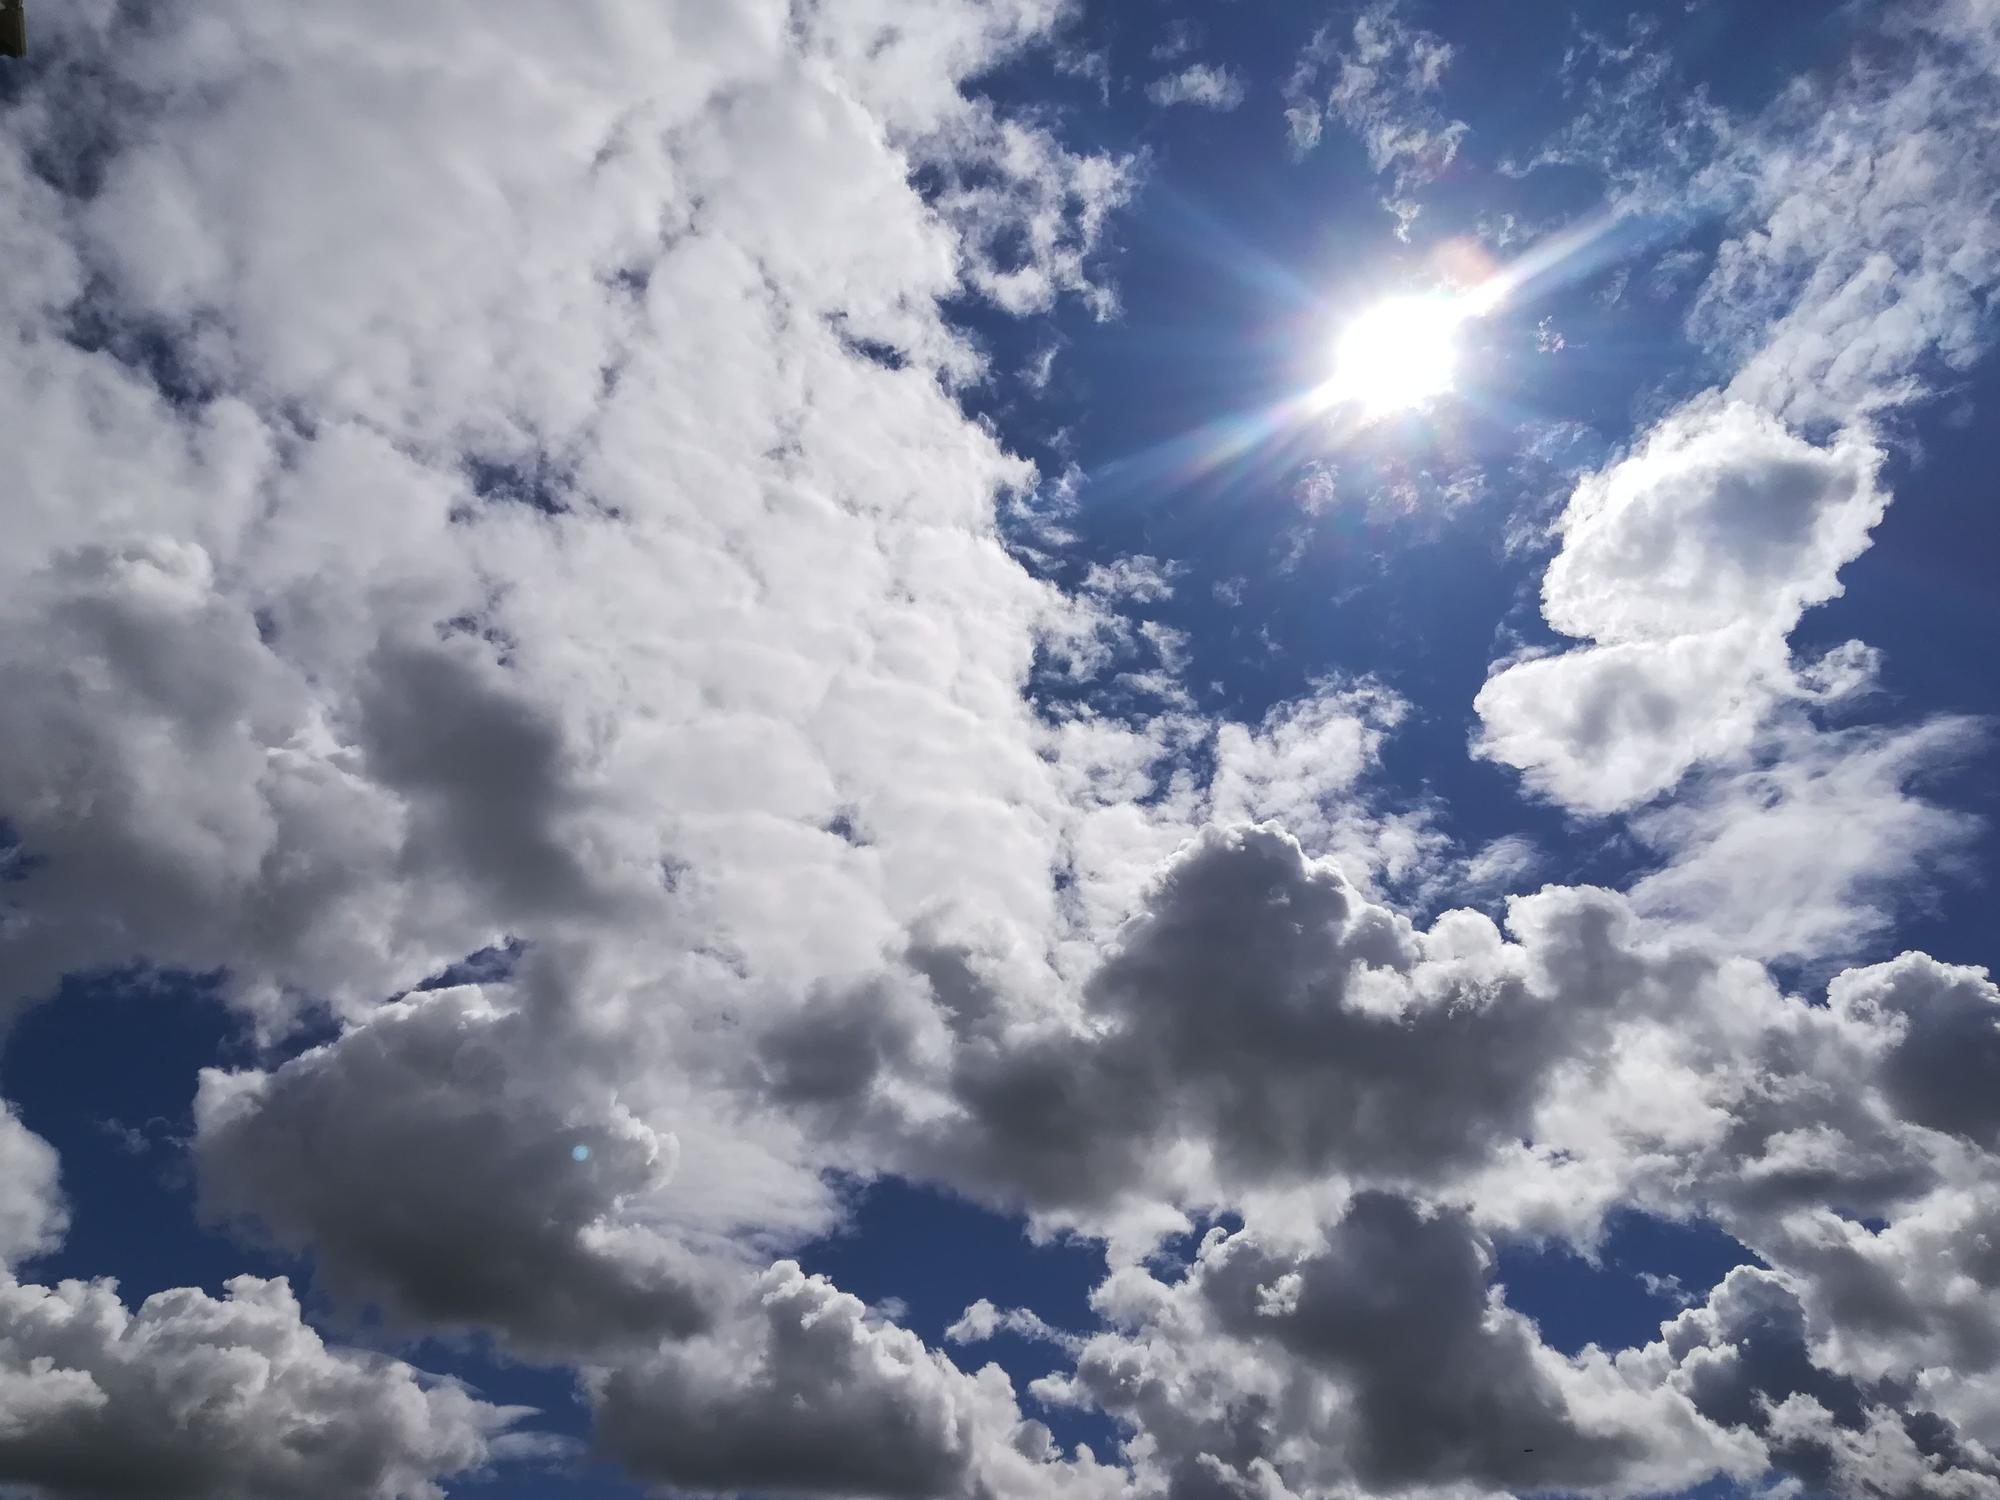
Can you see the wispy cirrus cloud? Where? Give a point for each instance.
(1204, 85)
(1380, 79)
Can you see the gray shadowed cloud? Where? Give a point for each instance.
(189, 1397)
(1396, 1305)
(1258, 1010)
(799, 1390)
(1373, 1356)
(428, 1175)
(1745, 1360)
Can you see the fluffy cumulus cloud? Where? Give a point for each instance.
(1258, 1022)
(1379, 1350)
(1685, 566)
(506, 582)
(427, 433)
(1142, 789)
(404, 395)
(1519, 1074)
(801, 1392)
(1849, 287)
(1743, 1360)
(1261, 1033)
(1377, 1356)
(192, 1395)
(438, 1176)
(33, 1217)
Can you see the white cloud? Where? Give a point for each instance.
(982, 1320)
(1719, 516)
(499, 477)
(505, 483)
(1385, 78)
(1862, 283)
(1302, 767)
(1750, 860)
(33, 1216)
(1687, 564)
(1140, 578)
(538, 264)
(1182, 37)
(1603, 728)
(1639, 119)
(1028, 212)
(1844, 288)
(1203, 84)
(1500, 865)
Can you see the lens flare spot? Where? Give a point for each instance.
(579, 1153)
(1398, 354)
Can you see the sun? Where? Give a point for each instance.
(1398, 354)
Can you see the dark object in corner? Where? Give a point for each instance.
(13, 29)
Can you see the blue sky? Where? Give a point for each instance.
(743, 752)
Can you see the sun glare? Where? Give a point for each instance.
(1398, 354)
